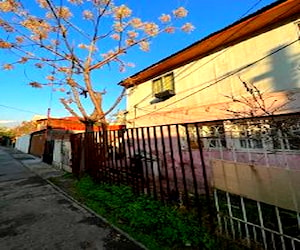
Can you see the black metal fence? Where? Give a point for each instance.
(193, 164)
(165, 162)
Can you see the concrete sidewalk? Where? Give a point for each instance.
(34, 164)
(34, 215)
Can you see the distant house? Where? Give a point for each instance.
(212, 79)
(37, 128)
(66, 123)
(51, 140)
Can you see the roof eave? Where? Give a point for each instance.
(265, 19)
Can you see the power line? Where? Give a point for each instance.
(223, 78)
(212, 59)
(251, 8)
(226, 49)
(22, 110)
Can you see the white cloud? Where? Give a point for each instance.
(6, 121)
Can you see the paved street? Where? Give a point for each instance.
(33, 215)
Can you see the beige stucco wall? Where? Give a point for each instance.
(203, 86)
(272, 185)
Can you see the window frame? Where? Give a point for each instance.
(161, 88)
(212, 135)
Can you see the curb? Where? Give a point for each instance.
(58, 189)
(95, 214)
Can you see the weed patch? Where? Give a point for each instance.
(146, 219)
(149, 221)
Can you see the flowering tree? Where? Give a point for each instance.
(65, 40)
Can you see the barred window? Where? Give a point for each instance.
(212, 135)
(287, 136)
(272, 134)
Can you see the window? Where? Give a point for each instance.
(287, 136)
(211, 135)
(251, 137)
(251, 134)
(273, 134)
(163, 87)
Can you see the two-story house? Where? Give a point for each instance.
(236, 95)
(206, 80)
(246, 70)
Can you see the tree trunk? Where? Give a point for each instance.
(93, 152)
(88, 145)
(89, 126)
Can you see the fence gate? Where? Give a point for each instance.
(76, 146)
(48, 152)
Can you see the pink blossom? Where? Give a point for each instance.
(99, 2)
(8, 66)
(87, 15)
(43, 3)
(5, 45)
(19, 39)
(23, 60)
(122, 11)
(8, 6)
(108, 54)
(76, 1)
(50, 78)
(136, 23)
(187, 27)
(6, 26)
(49, 15)
(165, 18)
(170, 29)
(144, 45)
(180, 12)
(115, 36)
(122, 68)
(132, 34)
(151, 29)
(129, 42)
(93, 48)
(82, 46)
(130, 64)
(64, 12)
(55, 42)
(118, 27)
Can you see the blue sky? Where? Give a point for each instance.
(19, 102)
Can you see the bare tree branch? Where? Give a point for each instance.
(67, 107)
(118, 100)
(78, 102)
(47, 38)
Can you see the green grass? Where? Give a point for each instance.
(154, 224)
(149, 221)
